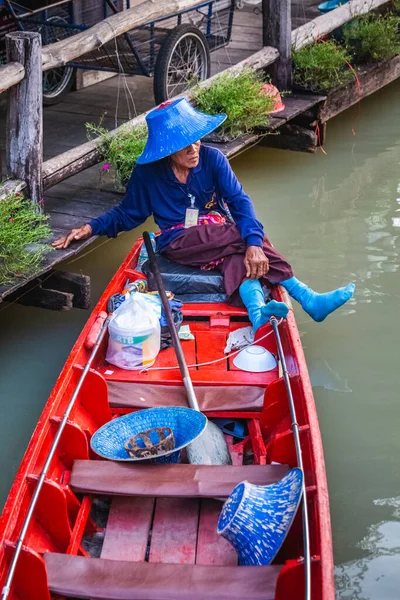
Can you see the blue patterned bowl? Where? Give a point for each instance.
(256, 518)
(186, 425)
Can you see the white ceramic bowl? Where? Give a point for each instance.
(255, 359)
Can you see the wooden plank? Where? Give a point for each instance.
(210, 346)
(11, 74)
(212, 549)
(77, 208)
(167, 480)
(127, 529)
(371, 78)
(174, 532)
(81, 577)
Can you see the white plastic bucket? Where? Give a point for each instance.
(136, 344)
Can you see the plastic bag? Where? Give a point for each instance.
(134, 334)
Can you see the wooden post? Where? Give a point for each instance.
(277, 32)
(24, 147)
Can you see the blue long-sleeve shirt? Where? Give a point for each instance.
(154, 190)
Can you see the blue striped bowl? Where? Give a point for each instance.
(186, 425)
(256, 518)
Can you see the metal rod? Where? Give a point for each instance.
(7, 585)
(295, 429)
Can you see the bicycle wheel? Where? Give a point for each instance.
(183, 61)
(57, 82)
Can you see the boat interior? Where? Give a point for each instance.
(153, 528)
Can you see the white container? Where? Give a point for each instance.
(134, 335)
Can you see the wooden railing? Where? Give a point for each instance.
(24, 146)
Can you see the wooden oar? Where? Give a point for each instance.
(210, 448)
(295, 429)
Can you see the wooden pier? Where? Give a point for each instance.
(87, 194)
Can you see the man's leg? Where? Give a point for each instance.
(199, 246)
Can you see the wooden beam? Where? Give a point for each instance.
(11, 186)
(61, 291)
(277, 29)
(60, 53)
(292, 137)
(317, 28)
(10, 75)
(24, 130)
(77, 159)
(370, 79)
(39, 297)
(76, 284)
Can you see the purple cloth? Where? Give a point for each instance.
(198, 246)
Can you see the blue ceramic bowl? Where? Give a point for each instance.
(256, 518)
(186, 425)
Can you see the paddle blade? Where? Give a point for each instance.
(210, 448)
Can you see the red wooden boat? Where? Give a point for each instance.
(103, 530)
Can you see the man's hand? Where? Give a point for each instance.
(256, 262)
(82, 233)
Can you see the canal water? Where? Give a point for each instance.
(337, 216)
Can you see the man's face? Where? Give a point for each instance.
(188, 157)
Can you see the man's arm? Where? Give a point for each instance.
(242, 210)
(132, 211)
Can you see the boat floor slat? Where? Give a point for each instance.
(174, 532)
(212, 549)
(167, 480)
(80, 577)
(128, 527)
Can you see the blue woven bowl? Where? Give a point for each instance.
(186, 425)
(256, 518)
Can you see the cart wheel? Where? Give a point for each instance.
(183, 61)
(57, 82)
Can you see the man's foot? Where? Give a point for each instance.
(259, 312)
(271, 309)
(319, 306)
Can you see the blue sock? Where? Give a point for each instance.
(253, 298)
(318, 306)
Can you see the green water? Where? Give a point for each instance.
(337, 218)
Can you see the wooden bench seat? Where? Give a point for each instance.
(168, 480)
(100, 579)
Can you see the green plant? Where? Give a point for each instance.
(373, 37)
(321, 66)
(121, 150)
(240, 96)
(22, 229)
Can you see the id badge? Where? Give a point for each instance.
(191, 217)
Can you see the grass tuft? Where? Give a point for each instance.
(120, 151)
(240, 97)
(373, 37)
(321, 66)
(22, 231)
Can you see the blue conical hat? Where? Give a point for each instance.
(173, 126)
